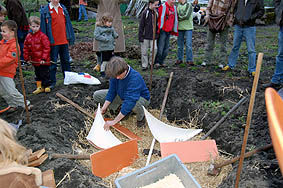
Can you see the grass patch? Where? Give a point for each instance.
(28, 74)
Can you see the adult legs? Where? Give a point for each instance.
(250, 35)
(277, 77)
(166, 47)
(100, 95)
(144, 52)
(180, 42)
(163, 47)
(151, 50)
(223, 51)
(138, 108)
(80, 13)
(209, 46)
(53, 67)
(84, 12)
(238, 36)
(21, 39)
(64, 58)
(189, 50)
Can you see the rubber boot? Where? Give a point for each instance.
(39, 88)
(47, 89)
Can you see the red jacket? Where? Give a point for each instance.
(168, 19)
(8, 58)
(37, 48)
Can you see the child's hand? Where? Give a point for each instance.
(42, 62)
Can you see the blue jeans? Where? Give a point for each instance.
(249, 33)
(63, 51)
(181, 38)
(277, 77)
(21, 39)
(163, 47)
(82, 10)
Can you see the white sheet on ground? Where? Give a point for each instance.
(167, 133)
(98, 136)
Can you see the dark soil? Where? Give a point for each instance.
(204, 93)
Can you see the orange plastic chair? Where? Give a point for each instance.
(274, 108)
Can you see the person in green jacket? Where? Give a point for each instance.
(3, 13)
(185, 29)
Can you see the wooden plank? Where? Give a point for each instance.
(38, 161)
(191, 151)
(48, 179)
(36, 155)
(108, 161)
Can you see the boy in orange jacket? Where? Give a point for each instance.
(8, 66)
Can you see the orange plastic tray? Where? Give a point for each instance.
(274, 108)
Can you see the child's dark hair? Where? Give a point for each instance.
(11, 24)
(106, 17)
(34, 19)
(152, 1)
(116, 66)
(3, 11)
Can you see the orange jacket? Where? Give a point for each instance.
(8, 58)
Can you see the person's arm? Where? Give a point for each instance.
(115, 34)
(260, 10)
(117, 119)
(188, 11)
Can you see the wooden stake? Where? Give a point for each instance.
(22, 78)
(153, 46)
(249, 118)
(160, 116)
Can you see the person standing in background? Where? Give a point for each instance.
(16, 12)
(82, 10)
(56, 24)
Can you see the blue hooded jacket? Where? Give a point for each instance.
(129, 89)
(45, 24)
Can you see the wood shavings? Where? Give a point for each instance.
(167, 182)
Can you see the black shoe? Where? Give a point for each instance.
(141, 123)
(144, 69)
(273, 85)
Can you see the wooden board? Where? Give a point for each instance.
(108, 161)
(191, 151)
(36, 155)
(38, 161)
(48, 179)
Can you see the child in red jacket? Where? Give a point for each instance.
(37, 51)
(8, 66)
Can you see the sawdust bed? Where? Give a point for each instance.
(198, 170)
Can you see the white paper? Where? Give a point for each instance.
(98, 136)
(167, 133)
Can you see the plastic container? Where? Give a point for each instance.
(157, 171)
